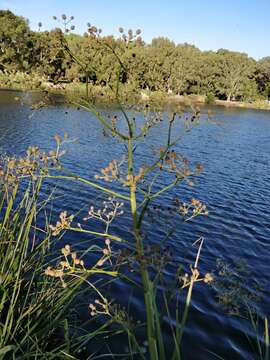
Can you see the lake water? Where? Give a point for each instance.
(234, 149)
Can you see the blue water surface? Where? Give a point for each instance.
(234, 149)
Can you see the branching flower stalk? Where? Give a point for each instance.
(167, 161)
(73, 266)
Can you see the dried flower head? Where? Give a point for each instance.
(63, 223)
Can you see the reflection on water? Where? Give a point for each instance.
(235, 154)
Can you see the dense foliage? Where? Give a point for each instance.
(160, 66)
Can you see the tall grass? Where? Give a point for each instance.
(34, 308)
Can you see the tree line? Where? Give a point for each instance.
(162, 65)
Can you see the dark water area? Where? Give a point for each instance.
(234, 149)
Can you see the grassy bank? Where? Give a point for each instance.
(257, 105)
(106, 95)
(34, 308)
(101, 94)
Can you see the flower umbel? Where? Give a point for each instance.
(63, 223)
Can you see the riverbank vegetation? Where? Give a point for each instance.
(34, 59)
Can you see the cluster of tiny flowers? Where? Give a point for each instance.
(193, 209)
(109, 173)
(100, 307)
(174, 163)
(65, 22)
(107, 252)
(67, 264)
(131, 36)
(186, 279)
(114, 311)
(71, 264)
(93, 31)
(151, 120)
(132, 180)
(112, 172)
(35, 163)
(111, 209)
(63, 223)
(56, 273)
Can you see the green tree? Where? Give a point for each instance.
(206, 72)
(16, 42)
(263, 76)
(50, 58)
(184, 68)
(234, 69)
(159, 64)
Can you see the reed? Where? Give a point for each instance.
(34, 308)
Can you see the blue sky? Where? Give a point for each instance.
(240, 25)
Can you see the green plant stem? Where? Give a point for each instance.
(183, 322)
(109, 236)
(146, 282)
(77, 178)
(91, 109)
(266, 338)
(166, 188)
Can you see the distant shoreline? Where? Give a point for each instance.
(159, 97)
(257, 105)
